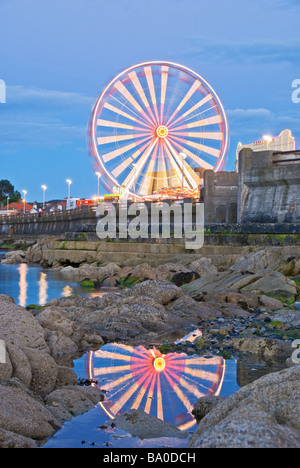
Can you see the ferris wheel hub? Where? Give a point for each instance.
(162, 131)
(159, 364)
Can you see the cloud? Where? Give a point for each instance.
(22, 95)
(40, 118)
(249, 125)
(237, 53)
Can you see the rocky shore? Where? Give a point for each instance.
(252, 308)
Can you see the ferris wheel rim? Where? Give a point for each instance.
(211, 371)
(182, 68)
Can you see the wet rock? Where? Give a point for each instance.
(184, 278)
(10, 440)
(162, 291)
(14, 258)
(44, 371)
(263, 347)
(264, 414)
(22, 414)
(290, 318)
(65, 377)
(205, 405)
(270, 302)
(273, 283)
(168, 270)
(203, 267)
(145, 426)
(55, 319)
(245, 300)
(75, 399)
(60, 344)
(20, 363)
(292, 268)
(256, 262)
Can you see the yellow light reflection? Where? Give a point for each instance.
(23, 268)
(67, 291)
(43, 286)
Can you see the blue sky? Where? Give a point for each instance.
(56, 57)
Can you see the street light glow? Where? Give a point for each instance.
(268, 138)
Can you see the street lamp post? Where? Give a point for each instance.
(98, 175)
(7, 203)
(44, 187)
(69, 182)
(24, 199)
(183, 157)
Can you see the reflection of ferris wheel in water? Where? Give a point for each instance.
(146, 117)
(166, 386)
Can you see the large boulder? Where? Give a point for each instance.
(145, 426)
(163, 292)
(22, 414)
(14, 258)
(11, 440)
(76, 400)
(266, 348)
(274, 283)
(256, 262)
(264, 414)
(203, 266)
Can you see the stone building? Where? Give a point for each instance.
(266, 189)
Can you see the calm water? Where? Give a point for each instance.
(35, 285)
(166, 386)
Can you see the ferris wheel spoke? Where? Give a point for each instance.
(113, 154)
(187, 174)
(150, 82)
(201, 103)
(193, 156)
(189, 94)
(217, 119)
(192, 389)
(119, 169)
(111, 124)
(138, 400)
(150, 394)
(182, 397)
(175, 167)
(147, 181)
(127, 395)
(132, 177)
(164, 82)
(136, 82)
(206, 149)
(117, 138)
(205, 135)
(124, 114)
(124, 91)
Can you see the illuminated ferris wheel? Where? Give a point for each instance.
(157, 126)
(166, 386)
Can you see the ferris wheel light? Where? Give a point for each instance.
(159, 364)
(157, 126)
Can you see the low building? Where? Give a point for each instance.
(18, 207)
(284, 142)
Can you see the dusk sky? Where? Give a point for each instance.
(57, 56)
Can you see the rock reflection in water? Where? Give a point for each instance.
(165, 386)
